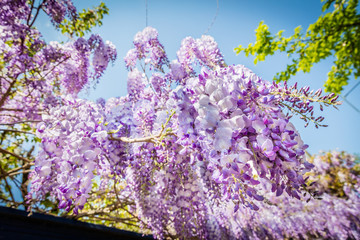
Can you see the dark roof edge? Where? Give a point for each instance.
(48, 219)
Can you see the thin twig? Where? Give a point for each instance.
(17, 169)
(15, 155)
(16, 131)
(49, 71)
(152, 139)
(16, 173)
(148, 80)
(11, 109)
(37, 13)
(20, 122)
(31, 9)
(136, 140)
(7, 93)
(7, 185)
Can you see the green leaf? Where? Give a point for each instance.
(84, 21)
(335, 33)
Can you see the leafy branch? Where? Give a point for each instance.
(334, 34)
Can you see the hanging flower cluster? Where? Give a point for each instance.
(333, 214)
(33, 73)
(35, 78)
(191, 155)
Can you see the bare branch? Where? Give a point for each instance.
(152, 138)
(7, 93)
(20, 122)
(25, 166)
(135, 140)
(36, 14)
(15, 155)
(11, 109)
(16, 173)
(16, 131)
(7, 185)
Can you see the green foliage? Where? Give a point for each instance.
(85, 20)
(335, 33)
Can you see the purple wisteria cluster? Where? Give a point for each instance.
(330, 216)
(35, 73)
(147, 48)
(71, 153)
(59, 9)
(193, 155)
(195, 52)
(76, 71)
(37, 79)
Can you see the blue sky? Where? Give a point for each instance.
(234, 25)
